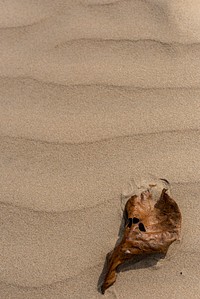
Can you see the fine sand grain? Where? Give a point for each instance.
(94, 93)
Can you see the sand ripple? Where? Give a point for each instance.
(92, 94)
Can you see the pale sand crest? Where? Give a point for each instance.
(94, 93)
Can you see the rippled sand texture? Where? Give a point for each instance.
(92, 94)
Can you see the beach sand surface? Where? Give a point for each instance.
(94, 94)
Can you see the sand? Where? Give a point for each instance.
(93, 94)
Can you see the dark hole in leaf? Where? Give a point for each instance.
(141, 227)
(129, 222)
(135, 220)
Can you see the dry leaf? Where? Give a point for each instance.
(151, 227)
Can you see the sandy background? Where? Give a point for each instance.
(92, 94)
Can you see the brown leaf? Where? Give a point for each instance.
(151, 227)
